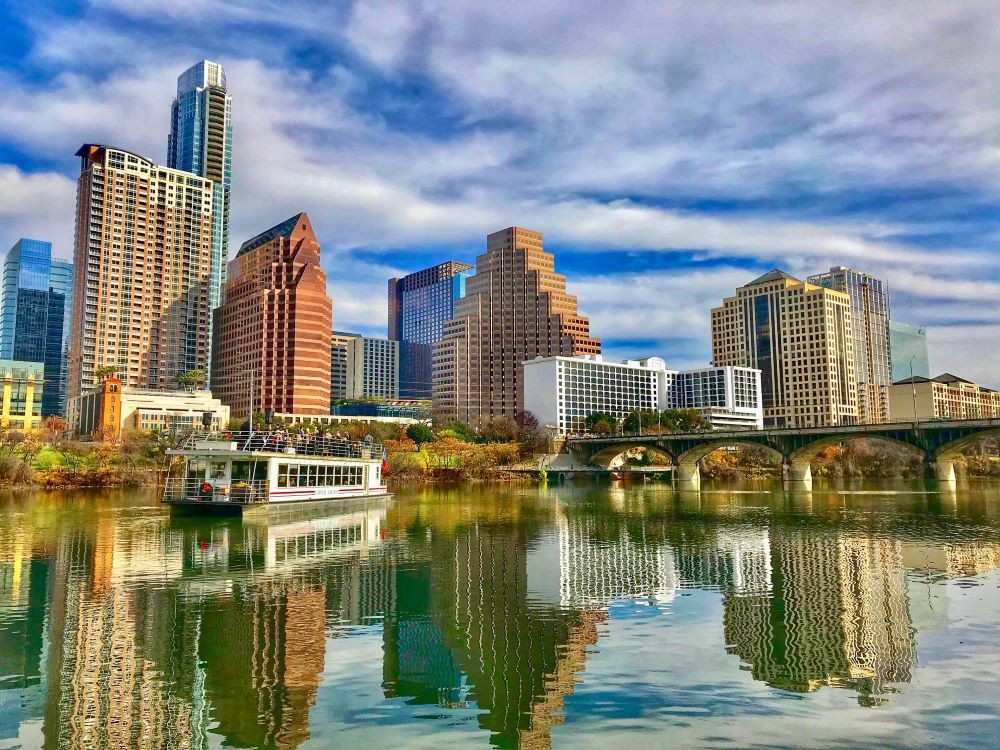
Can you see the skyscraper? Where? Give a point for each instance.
(141, 269)
(515, 308)
(869, 337)
(272, 334)
(908, 351)
(419, 305)
(799, 336)
(201, 141)
(37, 294)
(363, 367)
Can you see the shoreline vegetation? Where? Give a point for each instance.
(502, 450)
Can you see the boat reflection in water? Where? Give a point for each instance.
(123, 627)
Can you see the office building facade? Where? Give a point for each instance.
(271, 338)
(799, 336)
(946, 396)
(561, 392)
(141, 271)
(22, 387)
(869, 337)
(36, 294)
(515, 308)
(363, 367)
(908, 352)
(201, 142)
(419, 305)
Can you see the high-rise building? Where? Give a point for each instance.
(201, 141)
(908, 352)
(35, 303)
(141, 269)
(516, 308)
(363, 367)
(271, 338)
(799, 336)
(869, 337)
(419, 305)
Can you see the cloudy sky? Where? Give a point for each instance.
(669, 152)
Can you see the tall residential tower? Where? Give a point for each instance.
(515, 308)
(799, 336)
(419, 305)
(201, 141)
(36, 296)
(141, 270)
(272, 334)
(869, 337)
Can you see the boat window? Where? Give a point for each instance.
(293, 476)
(312, 476)
(196, 468)
(217, 470)
(282, 474)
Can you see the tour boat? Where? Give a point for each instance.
(251, 472)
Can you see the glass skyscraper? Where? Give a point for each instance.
(35, 305)
(419, 304)
(908, 344)
(200, 141)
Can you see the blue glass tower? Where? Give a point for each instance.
(419, 304)
(35, 304)
(200, 141)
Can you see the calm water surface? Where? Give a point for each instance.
(568, 616)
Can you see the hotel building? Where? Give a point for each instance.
(945, 397)
(36, 294)
(141, 271)
(21, 394)
(419, 305)
(272, 334)
(201, 141)
(869, 337)
(515, 309)
(363, 367)
(563, 391)
(907, 352)
(799, 336)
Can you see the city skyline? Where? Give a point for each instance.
(655, 213)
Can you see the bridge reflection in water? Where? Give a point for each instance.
(120, 627)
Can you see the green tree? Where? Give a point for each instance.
(105, 372)
(600, 422)
(420, 433)
(191, 380)
(458, 430)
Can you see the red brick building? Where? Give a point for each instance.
(272, 334)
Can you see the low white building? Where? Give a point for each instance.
(562, 391)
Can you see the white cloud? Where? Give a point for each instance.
(34, 205)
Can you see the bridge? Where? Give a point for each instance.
(938, 443)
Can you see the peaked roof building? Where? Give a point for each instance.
(271, 337)
(515, 308)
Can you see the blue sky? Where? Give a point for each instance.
(669, 152)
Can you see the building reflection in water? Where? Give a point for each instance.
(135, 630)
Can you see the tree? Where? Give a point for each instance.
(105, 372)
(526, 420)
(499, 430)
(600, 422)
(54, 427)
(191, 380)
(458, 430)
(420, 433)
(641, 420)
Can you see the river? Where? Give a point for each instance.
(568, 616)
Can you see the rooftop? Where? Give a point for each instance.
(284, 229)
(774, 275)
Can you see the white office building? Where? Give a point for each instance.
(562, 391)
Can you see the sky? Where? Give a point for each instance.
(669, 152)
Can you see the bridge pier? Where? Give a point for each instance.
(688, 473)
(796, 471)
(943, 470)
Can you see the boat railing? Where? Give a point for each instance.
(240, 491)
(264, 441)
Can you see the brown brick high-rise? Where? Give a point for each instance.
(515, 308)
(274, 328)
